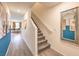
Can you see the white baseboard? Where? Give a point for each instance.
(8, 49)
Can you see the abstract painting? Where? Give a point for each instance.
(68, 24)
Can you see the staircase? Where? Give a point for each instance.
(42, 42)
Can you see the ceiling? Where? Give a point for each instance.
(18, 9)
(50, 4)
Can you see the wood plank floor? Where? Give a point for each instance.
(49, 52)
(17, 46)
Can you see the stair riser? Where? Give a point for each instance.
(39, 44)
(44, 48)
(40, 34)
(43, 38)
(39, 31)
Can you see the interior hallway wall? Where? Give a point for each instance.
(29, 34)
(51, 17)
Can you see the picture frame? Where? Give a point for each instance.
(69, 25)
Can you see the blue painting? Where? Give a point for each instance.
(68, 34)
(69, 25)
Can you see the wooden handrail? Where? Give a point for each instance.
(34, 15)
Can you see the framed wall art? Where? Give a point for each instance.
(69, 24)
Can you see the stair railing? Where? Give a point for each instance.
(46, 26)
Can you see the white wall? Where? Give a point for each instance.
(30, 35)
(51, 18)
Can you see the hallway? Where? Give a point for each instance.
(33, 29)
(17, 46)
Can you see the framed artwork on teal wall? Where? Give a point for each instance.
(69, 24)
